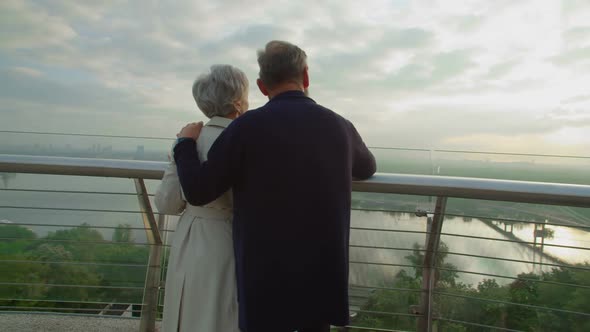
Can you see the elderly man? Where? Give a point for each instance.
(290, 164)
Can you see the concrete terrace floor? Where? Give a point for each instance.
(17, 322)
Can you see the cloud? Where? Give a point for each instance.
(572, 6)
(83, 11)
(373, 58)
(25, 26)
(576, 99)
(464, 128)
(408, 38)
(466, 23)
(430, 70)
(569, 117)
(26, 71)
(501, 69)
(38, 103)
(21, 85)
(579, 34)
(396, 68)
(575, 56)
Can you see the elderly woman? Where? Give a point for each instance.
(200, 284)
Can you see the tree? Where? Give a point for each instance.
(524, 290)
(123, 233)
(82, 241)
(20, 272)
(132, 275)
(400, 301)
(16, 232)
(446, 272)
(491, 313)
(394, 301)
(579, 299)
(15, 239)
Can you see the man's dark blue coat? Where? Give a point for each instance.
(290, 164)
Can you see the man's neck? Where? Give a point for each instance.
(290, 86)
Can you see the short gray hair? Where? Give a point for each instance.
(280, 62)
(216, 91)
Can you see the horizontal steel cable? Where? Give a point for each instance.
(532, 306)
(477, 324)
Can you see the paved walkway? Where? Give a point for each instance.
(15, 322)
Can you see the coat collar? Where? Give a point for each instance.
(289, 94)
(218, 121)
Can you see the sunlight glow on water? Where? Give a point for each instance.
(363, 274)
(564, 236)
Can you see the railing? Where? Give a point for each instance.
(428, 312)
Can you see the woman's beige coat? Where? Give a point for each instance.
(200, 294)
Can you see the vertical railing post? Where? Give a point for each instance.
(429, 266)
(149, 308)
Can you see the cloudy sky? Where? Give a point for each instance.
(501, 75)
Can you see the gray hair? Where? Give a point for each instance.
(216, 91)
(280, 62)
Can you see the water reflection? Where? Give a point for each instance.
(454, 228)
(563, 236)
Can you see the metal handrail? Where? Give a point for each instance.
(149, 170)
(424, 185)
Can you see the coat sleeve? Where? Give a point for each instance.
(363, 161)
(204, 182)
(168, 198)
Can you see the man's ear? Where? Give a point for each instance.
(305, 78)
(262, 87)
